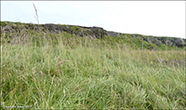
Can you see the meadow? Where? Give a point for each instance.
(64, 71)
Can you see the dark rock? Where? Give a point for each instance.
(168, 42)
(34, 27)
(147, 39)
(9, 29)
(134, 36)
(113, 34)
(81, 33)
(154, 49)
(88, 32)
(156, 41)
(180, 42)
(55, 28)
(98, 32)
(162, 39)
(152, 40)
(91, 37)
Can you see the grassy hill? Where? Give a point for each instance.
(48, 70)
(17, 30)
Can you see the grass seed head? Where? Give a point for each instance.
(62, 62)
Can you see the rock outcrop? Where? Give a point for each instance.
(152, 40)
(113, 34)
(166, 40)
(91, 32)
(180, 42)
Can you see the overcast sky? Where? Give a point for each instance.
(157, 18)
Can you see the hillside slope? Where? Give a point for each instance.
(44, 68)
(140, 41)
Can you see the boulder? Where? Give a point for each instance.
(113, 34)
(154, 49)
(134, 36)
(168, 42)
(98, 32)
(53, 28)
(157, 42)
(152, 40)
(91, 37)
(9, 29)
(81, 33)
(180, 42)
(162, 39)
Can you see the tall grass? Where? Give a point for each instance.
(63, 71)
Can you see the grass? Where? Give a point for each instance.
(63, 71)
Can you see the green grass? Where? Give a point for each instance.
(99, 74)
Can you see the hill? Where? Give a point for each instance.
(74, 67)
(135, 40)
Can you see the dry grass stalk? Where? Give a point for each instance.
(42, 74)
(54, 72)
(36, 17)
(59, 58)
(62, 62)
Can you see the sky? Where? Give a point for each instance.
(156, 18)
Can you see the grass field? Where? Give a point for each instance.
(64, 71)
